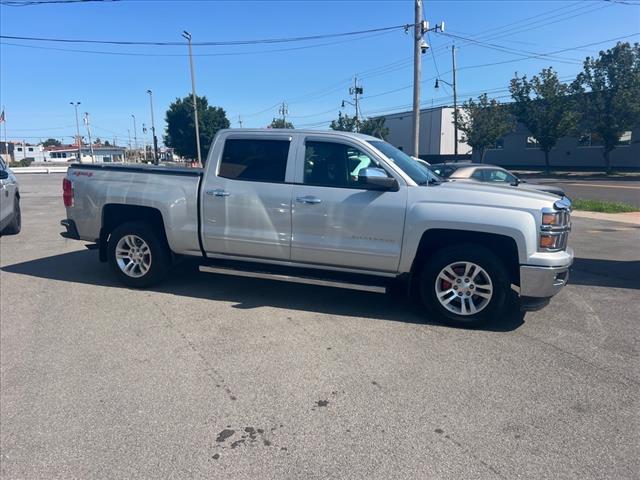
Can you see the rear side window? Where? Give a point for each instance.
(255, 160)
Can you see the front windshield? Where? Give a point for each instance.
(419, 173)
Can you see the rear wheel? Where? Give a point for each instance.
(16, 222)
(138, 254)
(465, 285)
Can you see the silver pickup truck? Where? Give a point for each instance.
(328, 205)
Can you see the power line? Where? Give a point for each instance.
(29, 3)
(217, 54)
(212, 43)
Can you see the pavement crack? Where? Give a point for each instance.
(458, 444)
(209, 370)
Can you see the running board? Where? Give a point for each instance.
(293, 279)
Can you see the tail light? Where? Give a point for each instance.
(67, 192)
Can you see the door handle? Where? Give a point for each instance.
(309, 199)
(217, 193)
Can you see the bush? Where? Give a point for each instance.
(24, 162)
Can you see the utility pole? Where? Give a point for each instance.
(144, 143)
(355, 91)
(153, 130)
(283, 110)
(417, 67)
(135, 137)
(455, 106)
(129, 144)
(78, 137)
(455, 103)
(240, 120)
(420, 47)
(187, 35)
(86, 122)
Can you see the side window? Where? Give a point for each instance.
(479, 175)
(255, 160)
(334, 164)
(497, 176)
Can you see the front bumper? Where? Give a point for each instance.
(542, 282)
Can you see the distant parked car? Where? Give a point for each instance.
(480, 172)
(10, 219)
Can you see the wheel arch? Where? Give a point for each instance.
(503, 246)
(114, 215)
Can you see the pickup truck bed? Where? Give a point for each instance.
(113, 189)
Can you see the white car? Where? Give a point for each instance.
(10, 218)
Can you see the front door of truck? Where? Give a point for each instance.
(336, 221)
(246, 206)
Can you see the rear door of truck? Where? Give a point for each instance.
(246, 197)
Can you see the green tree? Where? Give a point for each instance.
(344, 123)
(608, 94)
(483, 123)
(375, 127)
(280, 123)
(543, 105)
(51, 142)
(180, 133)
(107, 143)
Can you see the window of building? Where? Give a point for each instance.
(30, 149)
(532, 142)
(255, 160)
(19, 149)
(625, 138)
(584, 140)
(499, 145)
(592, 139)
(334, 164)
(106, 159)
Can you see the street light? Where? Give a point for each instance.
(187, 36)
(455, 103)
(78, 138)
(86, 122)
(153, 130)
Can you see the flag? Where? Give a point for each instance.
(2, 116)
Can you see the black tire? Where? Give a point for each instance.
(15, 225)
(159, 258)
(482, 257)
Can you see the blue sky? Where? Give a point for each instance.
(37, 84)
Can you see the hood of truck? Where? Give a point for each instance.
(489, 195)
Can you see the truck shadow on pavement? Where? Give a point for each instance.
(83, 267)
(596, 272)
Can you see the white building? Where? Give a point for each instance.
(516, 150)
(436, 133)
(101, 154)
(24, 150)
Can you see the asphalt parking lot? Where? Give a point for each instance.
(223, 377)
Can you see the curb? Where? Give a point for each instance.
(632, 218)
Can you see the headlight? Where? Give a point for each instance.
(549, 241)
(550, 219)
(555, 226)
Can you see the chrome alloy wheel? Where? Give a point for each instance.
(133, 256)
(463, 288)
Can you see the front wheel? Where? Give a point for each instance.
(138, 255)
(16, 221)
(465, 285)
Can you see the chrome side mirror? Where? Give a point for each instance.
(377, 179)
